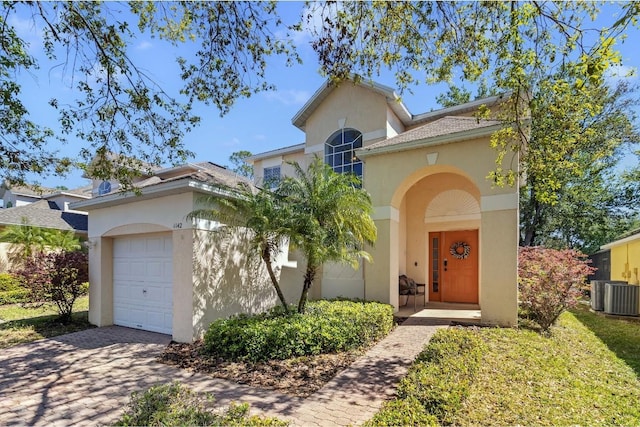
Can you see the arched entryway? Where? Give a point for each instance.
(439, 226)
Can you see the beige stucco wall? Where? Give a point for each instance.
(227, 279)
(5, 249)
(400, 199)
(213, 274)
(353, 106)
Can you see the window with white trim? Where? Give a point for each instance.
(271, 176)
(339, 152)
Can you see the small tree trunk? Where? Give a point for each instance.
(309, 275)
(266, 257)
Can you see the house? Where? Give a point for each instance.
(624, 257)
(41, 207)
(152, 268)
(440, 221)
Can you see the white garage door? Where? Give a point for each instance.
(143, 282)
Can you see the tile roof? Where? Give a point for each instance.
(445, 126)
(45, 214)
(205, 172)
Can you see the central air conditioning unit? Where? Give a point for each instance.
(621, 299)
(597, 293)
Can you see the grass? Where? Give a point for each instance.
(621, 336)
(584, 372)
(20, 324)
(570, 377)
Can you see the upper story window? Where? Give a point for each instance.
(271, 176)
(104, 188)
(339, 152)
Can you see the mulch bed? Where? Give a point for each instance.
(300, 376)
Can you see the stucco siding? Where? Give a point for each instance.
(360, 109)
(499, 267)
(227, 279)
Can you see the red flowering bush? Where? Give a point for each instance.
(549, 281)
(59, 277)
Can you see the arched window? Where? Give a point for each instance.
(104, 188)
(339, 152)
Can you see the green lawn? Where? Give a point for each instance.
(571, 377)
(584, 373)
(19, 324)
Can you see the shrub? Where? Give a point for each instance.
(9, 282)
(174, 404)
(11, 290)
(326, 327)
(437, 383)
(59, 277)
(549, 281)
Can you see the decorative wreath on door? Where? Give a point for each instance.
(460, 250)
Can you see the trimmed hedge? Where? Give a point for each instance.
(437, 383)
(176, 405)
(326, 327)
(11, 290)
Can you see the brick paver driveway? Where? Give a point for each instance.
(86, 378)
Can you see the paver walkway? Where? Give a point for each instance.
(85, 378)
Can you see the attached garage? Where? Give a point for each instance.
(151, 267)
(143, 282)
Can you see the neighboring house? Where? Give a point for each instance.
(151, 268)
(625, 257)
(440, 221)
(42, 207)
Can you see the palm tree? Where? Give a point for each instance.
(25, 239)
(65, 241)
(330, 218)
(258, 211)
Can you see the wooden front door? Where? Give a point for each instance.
(453, 266)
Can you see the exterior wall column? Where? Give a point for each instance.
(101, 281)
(381, 276)
(183, 270)
(499, 260)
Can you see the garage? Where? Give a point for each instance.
(143, 282)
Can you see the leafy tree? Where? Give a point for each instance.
(513, 46)
(119, 108)
(239, 165)
(549, 281)
(258, 214)
(330, 218)
(585, 206)
(59, 277)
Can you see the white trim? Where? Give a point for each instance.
(317, 148)
(499, 202)
(432, 158)
(621, 241)
(277, 152)
(385, 212)
(271, 162)
(376, 134)
(151, 192)
(451, 218)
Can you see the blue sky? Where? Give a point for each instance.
(257, 124)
